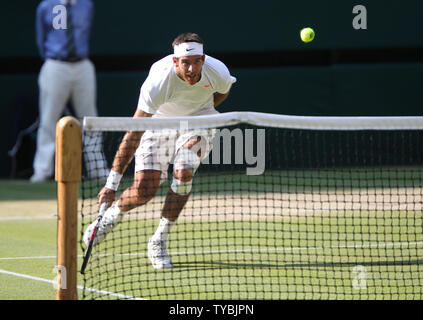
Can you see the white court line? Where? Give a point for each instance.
(246, 250)
(27, 258)
(19, 218)
(52, 282)
(252, 250)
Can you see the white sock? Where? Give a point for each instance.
(163, 229)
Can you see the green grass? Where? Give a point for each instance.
(19, 241)
(298, 259)
(313, 257)
(27, 247)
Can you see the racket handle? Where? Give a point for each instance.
(103, 208)
(87, 255)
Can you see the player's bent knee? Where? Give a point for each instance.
(186, 159)
(138, 196)
(144, 189)
(186, 162)
(181, 188)
(183, 175)
(147, 191)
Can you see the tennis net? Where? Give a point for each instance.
(283, 207)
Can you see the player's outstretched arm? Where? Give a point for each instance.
(123, 157)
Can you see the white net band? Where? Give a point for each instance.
(253, 118)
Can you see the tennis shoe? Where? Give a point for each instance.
(111, 219)
(158, 255)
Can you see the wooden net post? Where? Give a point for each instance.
(68, 175)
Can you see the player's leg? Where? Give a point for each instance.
(150, 171)
(186, 162)
(145, 185)
(54, 84)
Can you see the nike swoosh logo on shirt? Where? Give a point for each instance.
(190, 49)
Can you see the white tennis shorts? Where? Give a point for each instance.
(158, 148)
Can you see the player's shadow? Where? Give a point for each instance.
(210, 265)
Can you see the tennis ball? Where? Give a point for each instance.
(307, 34)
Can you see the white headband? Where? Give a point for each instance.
(188, 49)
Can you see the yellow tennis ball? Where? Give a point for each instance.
(307, 34)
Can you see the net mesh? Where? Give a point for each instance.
(329, 211)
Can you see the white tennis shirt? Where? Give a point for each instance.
(164, 94)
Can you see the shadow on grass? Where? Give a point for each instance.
(210, 265)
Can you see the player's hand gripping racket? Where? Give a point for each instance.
(87, 255)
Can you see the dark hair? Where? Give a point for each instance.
(187, 37)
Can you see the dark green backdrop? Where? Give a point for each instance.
(344, 71)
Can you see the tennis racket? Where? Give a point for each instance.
(87, 254)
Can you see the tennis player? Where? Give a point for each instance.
(185, 83)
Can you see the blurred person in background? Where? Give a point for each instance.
(67, 75)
